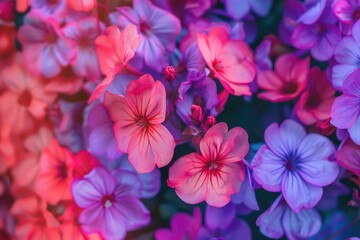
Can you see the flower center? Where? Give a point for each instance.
(53, 2)
(62, 171)
(107, 201)
(143, 122)
(290, 87)
(25, 98)
(312, 102)
(356, 14)
(50, 38)
(145, 28)
(84, 42)
(217, 65)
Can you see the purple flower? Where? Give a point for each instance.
(347, 54)
(183, 226)
(98, 133)
(345, 111)
(110, 203)
(45, 48)
(199, 90)
(84, 32)
(157, 28)
(317, 31)
(221, 223)
(279, 219)
(238, 9)
(291, 162)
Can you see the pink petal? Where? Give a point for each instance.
(210, 145)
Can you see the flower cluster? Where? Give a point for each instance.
(186, 119)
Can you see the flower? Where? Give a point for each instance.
(214, 174)
(347, 11)
(84, 32)
(98, 132)
(315, 102)
(110, 203)
(45, 48)
(317, 31)
(183, 226)
(55, 173)
(345, 111)
(221, 223)
(114, 50)
(280, 219)
(287, 81)
(34, 220)
(347, 55)
(57, 8)
(157, 27)
(138, 130)
(348, 156)
(290, 162)
(24, 102)
(231, 61)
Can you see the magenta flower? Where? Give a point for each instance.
(110, 203)
(345, 112)
(157, 27)
(347, 11)
(84, 33)
(57, 8)
(279, 219)
(290, 162)
(347, 54)
(221, 223)
(183, 226)
(45, 48)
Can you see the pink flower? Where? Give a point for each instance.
(67, 82)
(114, 50)
(81, 5)
(230, 61)
(55, 173)
(348, 156)
(45, 48)
(316, 101)
(84, 33)
(34, 220)
(215, 173)
(24, 102)
(287, 81)
(138, 129)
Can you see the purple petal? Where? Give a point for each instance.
(305, 36)
(270, 221)
(113, 223)
(313, 13)
(301, 225)
(268, 169)
(219, 218)
(354, 131)
(345, 111)
(237, 9)
(356, 32)
(324, 49)
(339, 74)
(285, 139)
(261, 7)
(299, 194)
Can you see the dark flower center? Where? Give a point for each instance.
(25, 98)
(290, 87)
(217, 65)
(145, 28)
(356, 14)
(62, 170)
(50, 38)
(84, 42)
(312, 102)
(291, 162)
(143, 122)
(53, 2)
